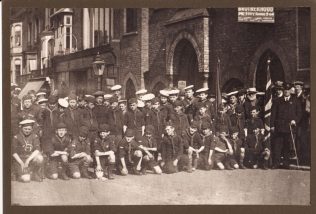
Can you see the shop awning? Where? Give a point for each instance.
(32, 85)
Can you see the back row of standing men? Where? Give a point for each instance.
(184, 128)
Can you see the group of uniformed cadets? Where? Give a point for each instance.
(62, 137)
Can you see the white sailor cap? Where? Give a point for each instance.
(141, 91)
(164, 93)
(252, 91)
(18, 89)
(202, 90)
(174, 92)
(116, 87)
(88, 95)
(232, 93)
(107, 96)
(43, 100)
(40, 93)
(27, 122)
(261, 93)
(189, 87)
(148, 97)
(63, 102)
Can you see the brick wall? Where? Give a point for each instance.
(237, 43)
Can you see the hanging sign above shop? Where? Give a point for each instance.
(256, 14)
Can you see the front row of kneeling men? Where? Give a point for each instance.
(196, 147)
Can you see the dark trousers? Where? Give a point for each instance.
(183, 163)
(281, 145)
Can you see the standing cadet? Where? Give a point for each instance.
(202, 116)
(178, 118)
(188, 102)
(129, 154)
(242, 96)
(104, 151)
(72, 116)
(149, 148)
(26, 153)
(157, 119)
(165, 106)
(147, 98)
(286, 113)
(194, 144)
(139, 96)
(202, 94)
(134, 119)
(90, 120)
(99, 110)
(116, 90)
(173, 159)
(57, 151)
(48, 118)
(173, 95)
(106, 101)
(80, 155)
(120, 117)
(232, 102)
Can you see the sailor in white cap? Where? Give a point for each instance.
(173, 95)
(62, 104)
(189, 101)
(147, 98)
(165, 106)
(232, 101)
(202, 94)
(40, 95)
(140, 93)
(116, 89)
(107, 98)
(26, 153)
(42, 103)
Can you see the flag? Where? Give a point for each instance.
(218, 89)
(267, 103)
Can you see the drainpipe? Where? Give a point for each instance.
(297, 45)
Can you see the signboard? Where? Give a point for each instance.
(182, 84)
(256, 14)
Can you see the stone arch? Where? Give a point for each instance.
(188, 36)
(278, 50)
(233, 83)
(158, 79)
(126, 78)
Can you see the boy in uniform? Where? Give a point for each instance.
(104, 152)
(237, 158)
(165, 106)
(129, 154)
(72, 116)
(208, 140)
(134, 119)
(57, 151)
(178, 118)
(188, 102)
(202, 94)
(220, 151)
(194, 144)
(26, 153)
(80, 155)
(173, 159)
(150, 149)
(201, 115)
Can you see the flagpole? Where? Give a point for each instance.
(218, 91)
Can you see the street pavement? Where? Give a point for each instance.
(273, 187)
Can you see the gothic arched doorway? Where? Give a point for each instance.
(185, 65)
(130, 89)
(159, 86)
(276, 70)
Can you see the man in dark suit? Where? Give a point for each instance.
(286, 112)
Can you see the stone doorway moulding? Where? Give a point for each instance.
(171, 52)
(278, 50)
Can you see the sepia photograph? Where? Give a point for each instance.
(159, 106)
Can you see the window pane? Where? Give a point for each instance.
(67, 37)
(131, 20)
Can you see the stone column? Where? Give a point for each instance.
(86, 28)
(205, 79)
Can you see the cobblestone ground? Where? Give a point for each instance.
(201, 187)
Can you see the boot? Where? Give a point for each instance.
(85, 173)
(189, 169)
(265, 164)
(195, 163)
(63, 174)
(37, 174)
(135, 171)
(110, 172)
(241, 164)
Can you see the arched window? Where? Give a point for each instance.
(17, 35)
